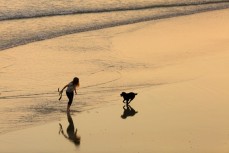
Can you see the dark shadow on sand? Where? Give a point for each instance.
(128, 111)
(71, 131)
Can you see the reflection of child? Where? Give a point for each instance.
(71, 87)
(71, 132)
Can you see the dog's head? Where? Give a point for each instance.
(122, 94)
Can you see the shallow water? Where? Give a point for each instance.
(31, 75)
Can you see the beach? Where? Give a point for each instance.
(178, 67)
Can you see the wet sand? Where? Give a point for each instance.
(181, 67)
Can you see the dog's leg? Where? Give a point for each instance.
(129, 101)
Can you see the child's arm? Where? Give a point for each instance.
(64, 88)
(75, 90)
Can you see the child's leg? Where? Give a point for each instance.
(70, 98)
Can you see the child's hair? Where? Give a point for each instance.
(76, 81)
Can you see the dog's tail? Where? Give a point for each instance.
(135, 93)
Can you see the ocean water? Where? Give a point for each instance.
(26, 21)
(27, 97)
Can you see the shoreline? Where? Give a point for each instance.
(185, 60)
(44, 34)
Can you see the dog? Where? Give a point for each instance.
(128, 97)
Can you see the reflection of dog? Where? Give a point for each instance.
(128, 97)
(128, 111)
